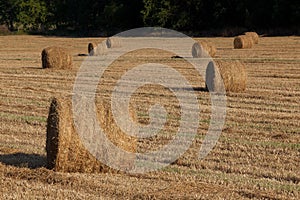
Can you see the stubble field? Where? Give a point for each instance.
(257, 155)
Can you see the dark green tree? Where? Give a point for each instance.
(30, 14)
(9, 10)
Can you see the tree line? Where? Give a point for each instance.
(116, 15)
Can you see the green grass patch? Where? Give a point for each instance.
(23, 118)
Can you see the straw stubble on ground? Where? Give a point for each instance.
(257, 155)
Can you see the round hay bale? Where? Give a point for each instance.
(92, 48)
(56, 58)
(232, 73)
(97, 50)
(242, 42)
(65, 151)
(203, 49)
(254, 36)
(113, 42)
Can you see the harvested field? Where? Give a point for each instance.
(256, 157)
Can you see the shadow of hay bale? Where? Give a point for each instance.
(31, 161)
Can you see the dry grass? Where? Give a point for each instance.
(257, 156)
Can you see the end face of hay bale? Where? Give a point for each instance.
(242, 42)
(52, 134)
(57, 58)
(254, 36)
(232, 73)
(92, 48)
(213, 78)
(196, 50)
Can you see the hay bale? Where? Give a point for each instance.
(232, 73)
(242, 42)
(203, 49)
(65, 151)
(97, 50)
(113, 42)
(57, 58)
(92, 48)
(254, 36)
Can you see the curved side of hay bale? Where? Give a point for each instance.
(57, 58)
(254, 36)
(232, 73)
(92, 48)
(242, 42)
(65, 151)
(203, 49)
(213, 51)
(113, 42)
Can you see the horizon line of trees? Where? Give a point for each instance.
(189, 15)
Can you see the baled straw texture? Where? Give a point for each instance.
(65, 150)
(203, 49)
(254, 36)
(113, 42)
(232, 73)
(243, 42)
(57, 58)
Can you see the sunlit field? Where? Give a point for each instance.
(257, 155)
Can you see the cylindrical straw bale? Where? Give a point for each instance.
(203, 49)
(231, 73)
(242, 42)
(64, 146)
(57, 58)
(113, 42)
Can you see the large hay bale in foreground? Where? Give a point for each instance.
(57, 58)
(65, 151)
(203, 49)
(113, 42)
(232, 73)
(243, 42)
(254, 36)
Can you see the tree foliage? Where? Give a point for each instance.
(30, 14)
(188, 15)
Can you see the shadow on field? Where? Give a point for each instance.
(200, 89)
(31, 161)
(196, 89)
